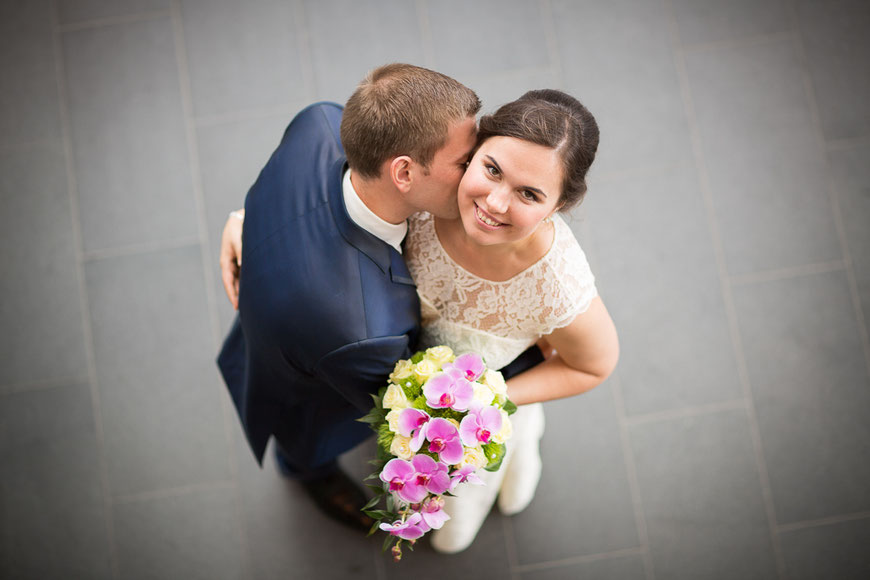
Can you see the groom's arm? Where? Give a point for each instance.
(531, 357)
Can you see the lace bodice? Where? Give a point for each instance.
(498, 320)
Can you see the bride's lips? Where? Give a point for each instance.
(485, 219)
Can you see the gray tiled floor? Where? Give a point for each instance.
(726, 221)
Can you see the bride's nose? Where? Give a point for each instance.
(497, 200)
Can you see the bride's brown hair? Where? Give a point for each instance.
(556, 120)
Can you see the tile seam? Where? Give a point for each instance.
(111, 21)
(585, 559)
(679, 59)
(186, 94)
(84, 303)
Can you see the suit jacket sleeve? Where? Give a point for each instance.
(358, 369)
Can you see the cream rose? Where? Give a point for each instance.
(506, 430)
(393, 420)
(494, 381)
(425, 369)
(439, 354)
(401, 372)
(483, 394)
(395, 398)
(401, 447)
(473, 456)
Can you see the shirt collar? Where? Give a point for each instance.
(393, 234)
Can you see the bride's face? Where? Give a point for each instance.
(509, 188)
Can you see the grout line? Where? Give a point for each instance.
(829, 521)
(90, 355)
(787, 273)
(687, 412)
(283, 110)
(143, 248)
(425, 26)
(137, 497)
(833, 190)
(727, 296)
(28, 146)
(303, 44)
(205, 252)
(733, 43)
(510, 542)
(110, 21)
(551, 36)
(639, 171)
(615, 555)
(633, 481)
(30, 386)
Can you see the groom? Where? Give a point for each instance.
(326, 303)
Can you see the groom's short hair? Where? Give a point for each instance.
(402, 109)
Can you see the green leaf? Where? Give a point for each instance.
(418, 356)
(375, 528)
(509, 407)
(494, 454)
(371, 503)
(380, 514)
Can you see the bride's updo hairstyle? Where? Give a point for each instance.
(556, 120)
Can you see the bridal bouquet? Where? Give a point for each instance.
(439, 420)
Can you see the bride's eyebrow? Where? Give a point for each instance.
(528, 187)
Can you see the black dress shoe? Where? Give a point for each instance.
(340, 498)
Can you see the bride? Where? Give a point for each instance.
(509, 272)
(506, 274)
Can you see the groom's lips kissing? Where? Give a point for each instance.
(486, 220)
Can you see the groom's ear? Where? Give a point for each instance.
(400, 172)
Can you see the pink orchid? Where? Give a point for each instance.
(433, 512)
(470, 364)
(448, 390)
(411, 422)
(431, 476)
(443, 437)
(401, 476)
(479, 425)
(412, 528)
(464, 474)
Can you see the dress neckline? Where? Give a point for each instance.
(555, 220)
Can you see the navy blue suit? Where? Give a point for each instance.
(325, 308)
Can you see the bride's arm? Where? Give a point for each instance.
(587, 351)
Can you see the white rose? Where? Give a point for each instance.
(473, 456)
(483, 394)
(401, 447)
(401, 372)
(439, 354)
(506, 430)
(494, 381)
(395, 398)
(425, 369)
(393, 420)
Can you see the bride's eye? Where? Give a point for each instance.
(492, 170)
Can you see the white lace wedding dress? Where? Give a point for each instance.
(498, 320)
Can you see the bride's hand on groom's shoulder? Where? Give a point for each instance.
(231, 255)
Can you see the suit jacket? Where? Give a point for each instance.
(325, 308)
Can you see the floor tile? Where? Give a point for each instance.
(369, 33)
(77, 11)
(630, 86)
(461, 49)
(851, 169)
(43, 338)
(629, 568)
(768, 176)
(828, 551)
(497, 90)
(657, 275)
(51, 497)
(702, 498)
(583, 503)
(837, 49)
(128, 135)
(286, 533)
(231, 156)
(159, 385)
(242, 55)
(193, 535)
(812, 394)
(702, 21)
(29, 104)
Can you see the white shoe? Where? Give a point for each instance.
(468, 510)
(523, 472)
